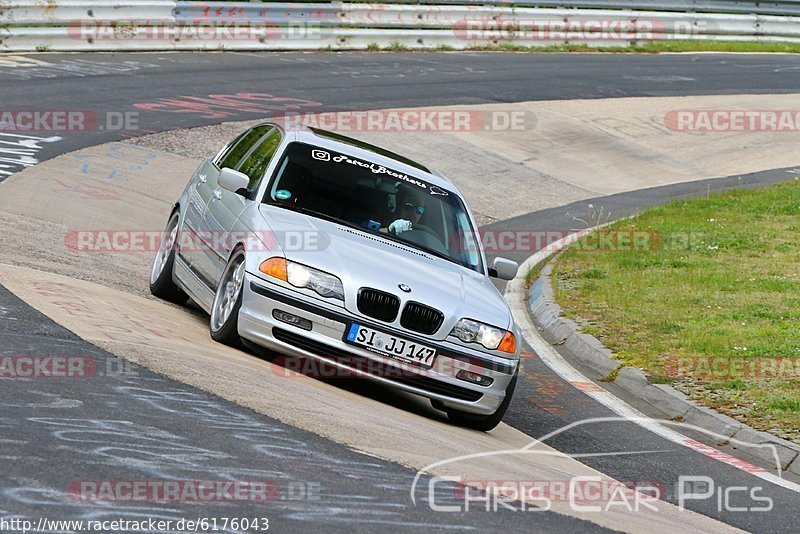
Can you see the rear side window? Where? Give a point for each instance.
(256, 163)
(238, 149)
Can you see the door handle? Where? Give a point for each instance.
(217, 194)
(201, 178)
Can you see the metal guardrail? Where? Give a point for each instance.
(751, 7)
(63, 12)
(108, 25)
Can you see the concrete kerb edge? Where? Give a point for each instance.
(557, 330)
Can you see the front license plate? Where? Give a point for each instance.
(389, 345)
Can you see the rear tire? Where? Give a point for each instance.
(224, 324)
(484, 423)
(162, 284)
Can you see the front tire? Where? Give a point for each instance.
(484, 423)
(224, 324)
(162, 284)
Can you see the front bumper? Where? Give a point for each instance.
(325, 343)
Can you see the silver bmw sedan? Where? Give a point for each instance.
(321, 247)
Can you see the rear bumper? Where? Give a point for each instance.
(325, 343)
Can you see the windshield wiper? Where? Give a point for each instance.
(313, 213)
(431, 251)
(423, 248)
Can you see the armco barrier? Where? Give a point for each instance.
(752, 7)
(63, 12)
(76, 25)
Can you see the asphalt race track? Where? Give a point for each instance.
(42, 443)
(208, 439)
(338, 81)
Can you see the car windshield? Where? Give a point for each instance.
(376, 199)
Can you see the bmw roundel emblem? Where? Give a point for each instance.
(404, 288)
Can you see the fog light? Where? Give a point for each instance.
(293, 320)
(475, 378)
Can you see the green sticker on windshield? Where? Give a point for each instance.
(283, 194)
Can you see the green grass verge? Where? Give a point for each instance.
(533, 273)
(653, 47)
(710, 301)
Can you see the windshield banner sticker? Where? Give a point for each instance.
(322, 155)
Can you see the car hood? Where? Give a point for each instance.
(362, 259)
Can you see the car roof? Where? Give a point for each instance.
(376, 154)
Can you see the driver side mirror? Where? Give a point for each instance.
(503, 269)
(233, 181)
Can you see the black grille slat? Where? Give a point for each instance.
(377, 304)
(421, 318)
(363, 363)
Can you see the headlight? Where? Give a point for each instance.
(322, 283)
(492, 338)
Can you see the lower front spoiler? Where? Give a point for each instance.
(324, 343)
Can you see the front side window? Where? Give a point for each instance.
(255, 165)
(375, 198)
